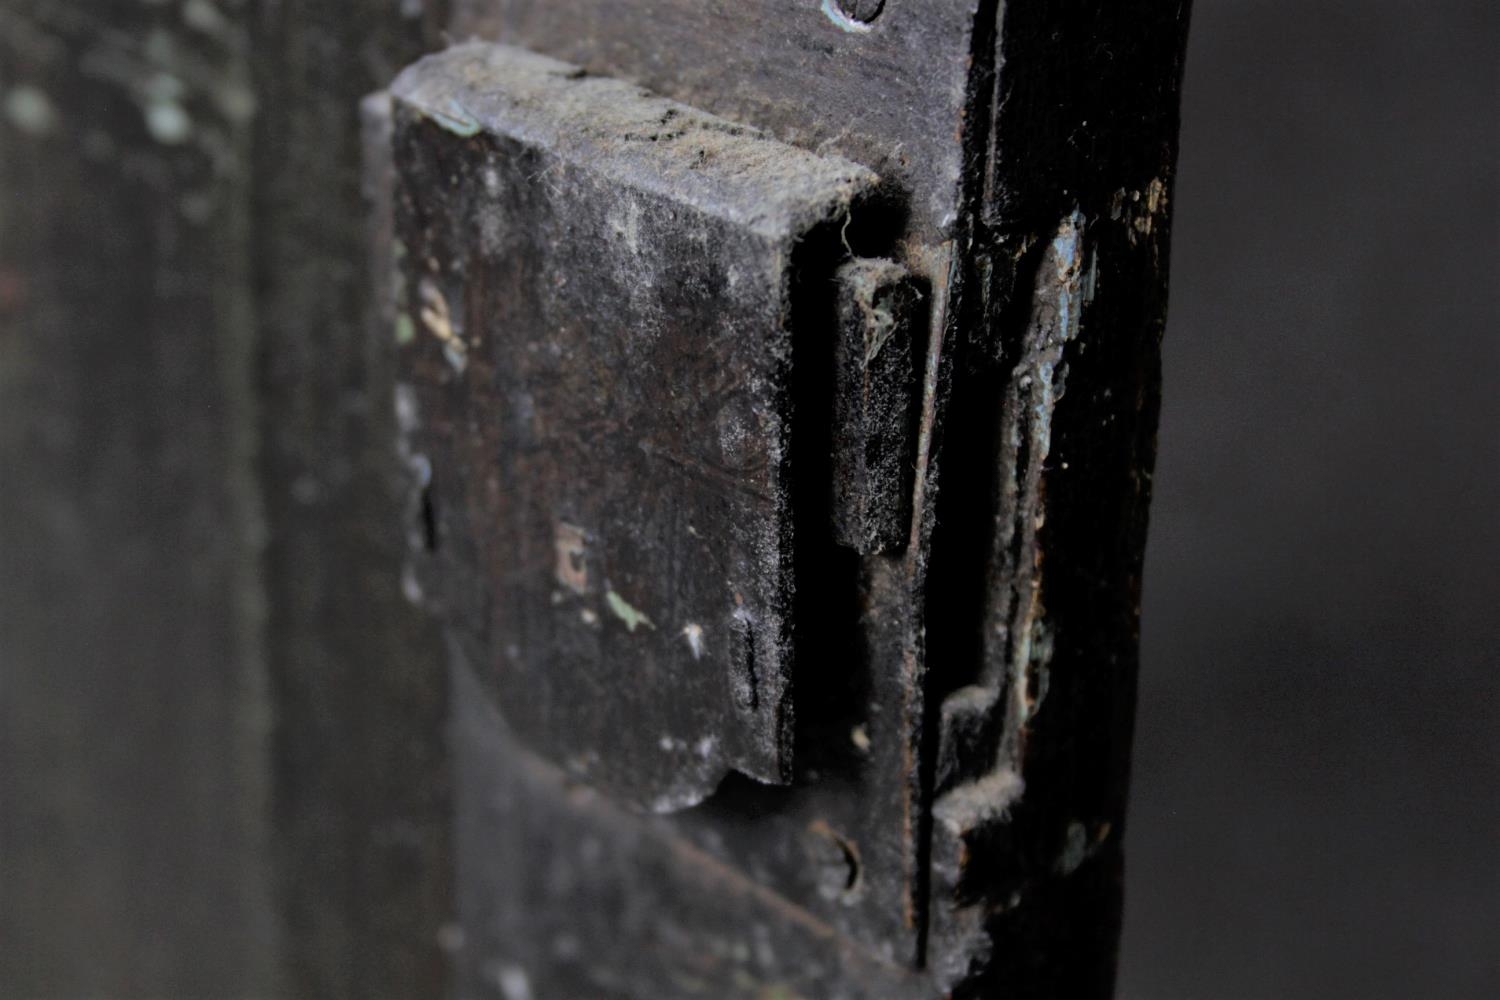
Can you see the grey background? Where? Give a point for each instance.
(1316, 796)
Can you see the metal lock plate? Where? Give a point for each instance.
(596, 303)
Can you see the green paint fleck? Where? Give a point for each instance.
(456, 119)
(406, 330)
(1075, 849)
(627, 614)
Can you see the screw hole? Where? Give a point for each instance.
(853, 15)
(838, 861)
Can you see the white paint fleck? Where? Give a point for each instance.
(438, 320)
(30, 111)
(406, 407)
(411, 587)
(678, 800)
(693, 633)
(860, 737)
(168, 122)
(514, 983)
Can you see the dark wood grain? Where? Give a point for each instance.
(361, 809)
(596, 304)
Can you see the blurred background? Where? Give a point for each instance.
(1316, 801)
(1316, 796)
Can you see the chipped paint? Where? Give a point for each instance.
(988, 799)
(693, 633)
(569, 542)
(406, 330)
(623, 610)
(439, 322)
(1063, 288)
(456, 118)
(860, 737)
(1140, 209)
(1075, 849)
(844, 22)
(1079, 846)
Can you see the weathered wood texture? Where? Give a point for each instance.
(995, 658)
(134, 782)
(895, 98)
(877, 354)
(596, 300)
(962, 701)
(361, 806)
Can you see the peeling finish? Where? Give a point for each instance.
(572, 571)
(860, 737)
(1140, 209)
(622, 610)
(1039, 382)
(693, 633)
(456, 118)
(438, 321)
(1075, 849)
(986, 800)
